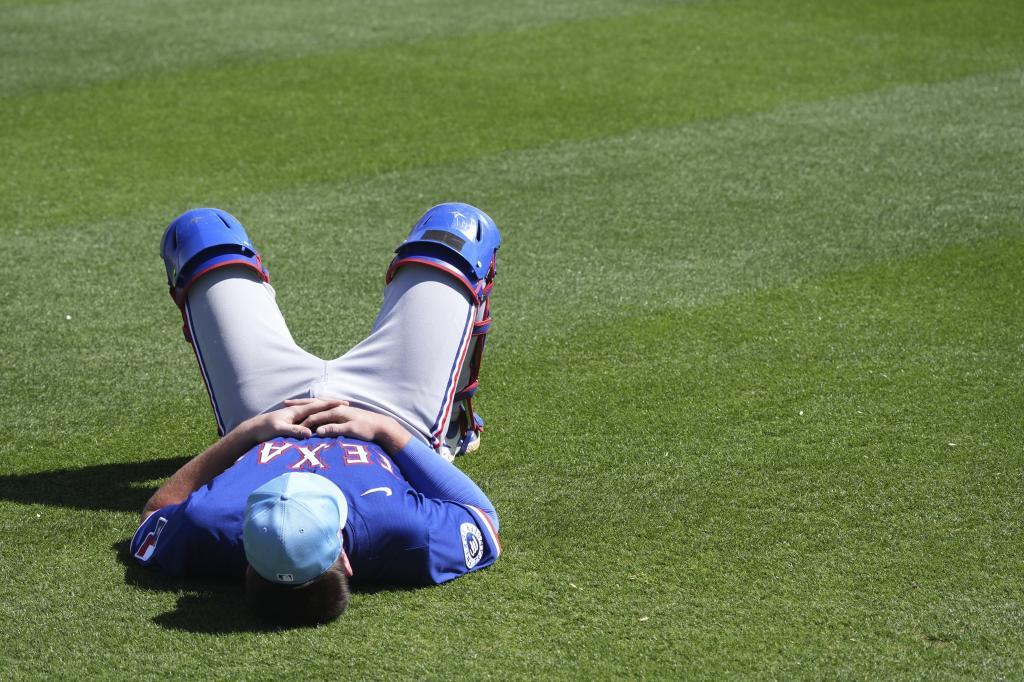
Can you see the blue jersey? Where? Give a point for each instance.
(394, 533)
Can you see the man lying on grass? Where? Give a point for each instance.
(328, 470)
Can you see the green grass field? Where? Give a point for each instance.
(754, 390)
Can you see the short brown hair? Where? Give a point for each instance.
(321, 600)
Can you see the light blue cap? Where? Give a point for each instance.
(292, 525)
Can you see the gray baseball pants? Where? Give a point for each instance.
(409, 367)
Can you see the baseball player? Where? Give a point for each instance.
(330, 469)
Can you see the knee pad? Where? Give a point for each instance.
(457, 238)
(202, 240)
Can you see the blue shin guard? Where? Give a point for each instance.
(459, 239)
(202, 240)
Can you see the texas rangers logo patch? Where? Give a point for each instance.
(148, 546)
(472, 544)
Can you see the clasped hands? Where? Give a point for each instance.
(306, 417)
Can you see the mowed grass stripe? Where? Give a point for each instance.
(132, 148)
(59, 45)
(668, 511)
(794, 481)
(609, 229)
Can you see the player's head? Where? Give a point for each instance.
(292, 537)
(320, 600)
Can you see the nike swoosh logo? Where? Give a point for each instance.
(382, 489)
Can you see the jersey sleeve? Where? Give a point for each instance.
(161, 540)
(461, 539)
(475, 546)
(429, 541)
(197, 537)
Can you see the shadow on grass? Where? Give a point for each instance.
(209, 606)
(204, 606)
(104, 487)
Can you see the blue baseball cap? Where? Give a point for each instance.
(292, 527)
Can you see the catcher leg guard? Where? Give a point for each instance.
(463, 241)
(202, 240)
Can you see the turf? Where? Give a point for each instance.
(753, 393)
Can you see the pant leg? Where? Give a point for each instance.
(410, 364)
(247, 356)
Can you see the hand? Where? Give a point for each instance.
(340, 419)
(288, 421)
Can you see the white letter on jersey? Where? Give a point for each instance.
(309, 456)
(272, 449)
(355, 454)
